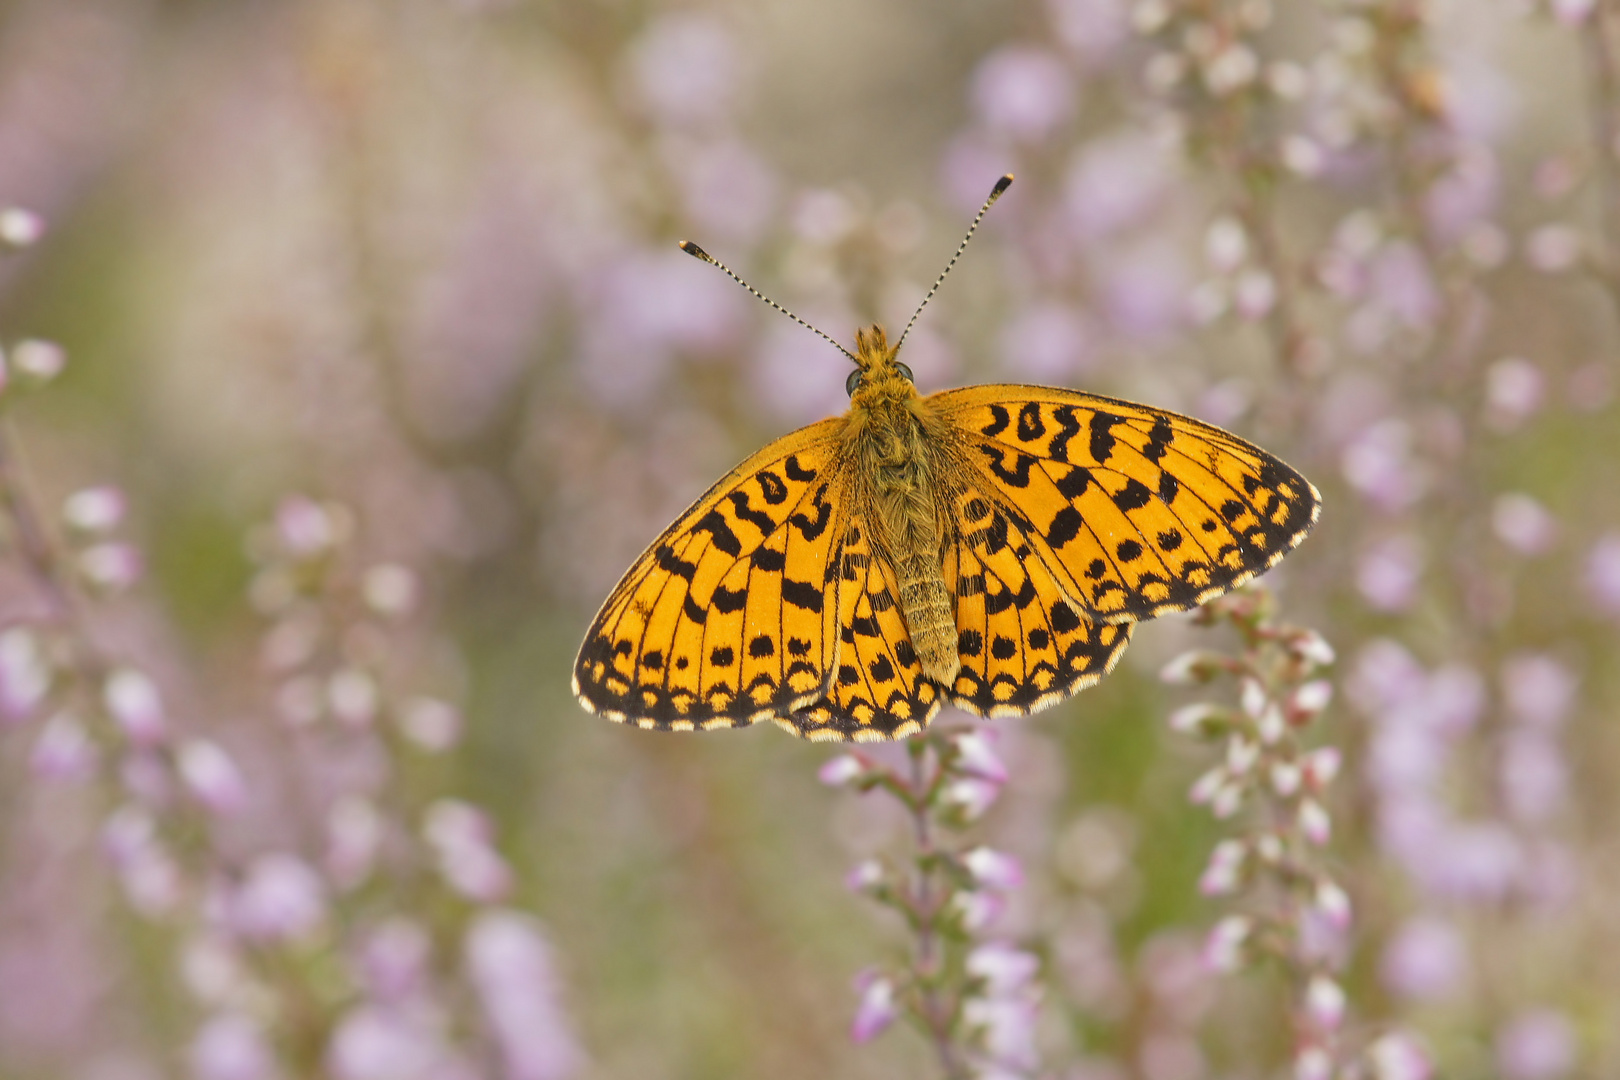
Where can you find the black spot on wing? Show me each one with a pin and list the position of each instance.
(1030, 425)
(1102, 438)
(668, 562)
(771, 486)
(802, 594)
(1000, 419)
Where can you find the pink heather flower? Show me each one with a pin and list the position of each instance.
(1324, 1003)
(460, 835)
(1514, 389)
(1195, 666)
(353, 697)
(127, 832)
(390, 589)
(1426, 960)
(376, 1043)
(111, 567)
(1310, 699)
(1200, 718)
(25, 676)
(1603, 574)
(1553, 249)
(1226, 244)
(843, 769)
(975, 909)
(1523, 524)
(1538, 689)
(211, 775)
(64, 750)
(1314, 822)
(433, 725)
(1573, 11)
(510, 962)
(279, 899)
(1388, 575)
(1254, 294)
(1221, 876)
(1313, 1063)
(1320, 766)
(20, 228)
(970, 797)
(211, 968)
(1533, 774)
(394, 958)
(1208, 786)
(865, 875)
(151, 881)
(305, 527)
(1115, 182)
(41, 361)
(354, 834)
(1223, 948)
(1241, 755)
(976, 756)
(993, 869)
(132, 701)
(1397, 1056)
(1004, 969)
(1006, 1027)
(1333, 904)
(685, 69)
(1380, 464)
(878, 1007)
(94, 510)
(1024, 92)
(1048, 341)
(1536, 1045)
(231, 1046)
(1286, 778)
(1092, 29)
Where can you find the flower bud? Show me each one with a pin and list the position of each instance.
(1314, 822)
(211, 776)
(878, 1009)
(1333, 903)
(1324, 1003)
(64, 750)
(1286, 777)
(1313, 1062)
(41, 361)
(1225, 869)
(1320, 766)
(843, 769)
(1201, 718)
(976, 755)
(132, 701)
(94, 510)
(865, 876)
(1312, 647)
(20, 228)
(390, 589)
(993, 869)
(1223, 948)
(969, 797)
(1196, 666)
(431, 724)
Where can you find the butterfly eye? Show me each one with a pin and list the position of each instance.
(853, 383)
(905, 371)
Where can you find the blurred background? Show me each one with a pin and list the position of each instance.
(372, 315)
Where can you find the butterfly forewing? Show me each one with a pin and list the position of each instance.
(1022, 643)
(878, 690)
(1135, 511)
(723, 620)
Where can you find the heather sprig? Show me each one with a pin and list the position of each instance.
(975, 998)
(1290, 909)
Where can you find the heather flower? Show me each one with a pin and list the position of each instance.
(38, 360)
(878, 1006)
(20, 228)
(1022, 91)
(512, 966)
(230, 1046)
(279, 899)
(211, 775)
(64, 750)
(132, 701)
(1426, 960)
(1536, 1045)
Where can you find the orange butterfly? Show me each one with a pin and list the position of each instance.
(990, 546)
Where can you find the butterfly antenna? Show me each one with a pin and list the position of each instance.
(995, 193)
(698, 253)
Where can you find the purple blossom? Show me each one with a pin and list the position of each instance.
(279, 899)
(1523, 524)
(1514, 390)
(25, 676)
(211, 775)
(1025, 92)
(993, 869)
(1539, 690)
(64, 750)
(1536, 1045)
(1114, 183)
(1426, 960)
(685, 69)
(1603, 574)
(1093, 30)
(230, 1046)
(1048, 342)
(374, 1042)
(878, 1007)
(461, 836)
(512, 965)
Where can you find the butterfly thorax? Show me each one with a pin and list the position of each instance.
(894, 443)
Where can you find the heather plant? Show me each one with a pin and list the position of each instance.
(293, 785)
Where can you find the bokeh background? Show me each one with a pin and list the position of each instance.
(401, 279)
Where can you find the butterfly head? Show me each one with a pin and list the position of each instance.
(878, 375)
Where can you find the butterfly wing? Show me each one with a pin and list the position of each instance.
(878, 691)
(727, 618)
(1135, 511)
(1023, 644)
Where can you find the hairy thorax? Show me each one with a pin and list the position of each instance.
(897, 453)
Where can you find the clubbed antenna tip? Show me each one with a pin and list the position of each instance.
(695, 251)
(995, 193)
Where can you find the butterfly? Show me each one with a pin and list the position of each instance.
(988, 546)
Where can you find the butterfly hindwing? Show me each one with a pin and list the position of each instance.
(1136, 511)
(878, 690)
(727, 618)
(1023, 645)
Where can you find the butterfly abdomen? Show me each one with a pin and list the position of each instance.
(898, 469)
